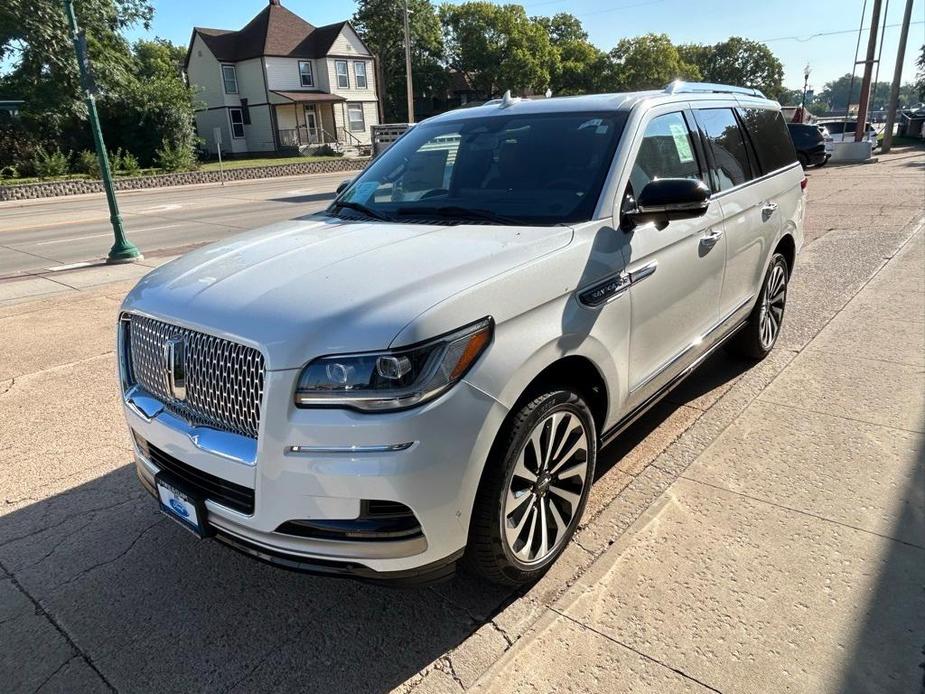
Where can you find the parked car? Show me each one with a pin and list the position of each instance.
(810, 144)
(425, 373)
(844, 130)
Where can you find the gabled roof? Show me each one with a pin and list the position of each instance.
(275, 31)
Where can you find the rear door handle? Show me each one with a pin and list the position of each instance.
(768, 210)
(710, 239)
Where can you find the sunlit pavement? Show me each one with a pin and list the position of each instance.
(762, 530)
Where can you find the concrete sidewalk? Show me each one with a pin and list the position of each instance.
(790, 554)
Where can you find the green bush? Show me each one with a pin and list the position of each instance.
(9, 172)
(130, 165)
(327, 151)
(50, 164)
(88, 163)
(175, 157)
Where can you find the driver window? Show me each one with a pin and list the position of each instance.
(666, 151)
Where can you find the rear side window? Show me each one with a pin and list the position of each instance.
(835, 128)
(666, 151)
(770, 137)
(730, 166)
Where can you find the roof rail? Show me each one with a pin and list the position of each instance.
(682, 87)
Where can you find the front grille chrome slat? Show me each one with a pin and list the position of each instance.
(224, 379)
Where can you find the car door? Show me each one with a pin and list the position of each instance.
(751, 218)
(675, 273)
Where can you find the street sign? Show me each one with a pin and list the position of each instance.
(217, 134)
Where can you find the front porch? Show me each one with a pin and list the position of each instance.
(310, 122)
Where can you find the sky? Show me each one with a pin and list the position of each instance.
(791, 29)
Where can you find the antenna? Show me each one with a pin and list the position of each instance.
(507, 99)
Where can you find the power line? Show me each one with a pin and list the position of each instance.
(804, 39)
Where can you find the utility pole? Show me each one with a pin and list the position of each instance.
(897, 78)
(408, 85)
(861, 130)
(123, 250)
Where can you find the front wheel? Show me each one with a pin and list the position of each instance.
(534, 489)
(757, 337)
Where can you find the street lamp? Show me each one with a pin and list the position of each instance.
(806, 71)
(123, 250)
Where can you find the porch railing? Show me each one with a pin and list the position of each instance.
(300, 135)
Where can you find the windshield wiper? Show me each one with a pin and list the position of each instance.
(460, 213)
(359, 207)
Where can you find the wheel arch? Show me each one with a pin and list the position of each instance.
(787, 247)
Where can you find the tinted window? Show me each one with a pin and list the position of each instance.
(530, 168)
(770, 137)
(835, 128)
(730, 165)
(666, 151)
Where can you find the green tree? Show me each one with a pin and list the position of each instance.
(34, 43)
(380, 24)
(581, 66)
(647, 62)
(497, 47)
(737, 61)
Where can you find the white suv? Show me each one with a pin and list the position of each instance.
(424, 374)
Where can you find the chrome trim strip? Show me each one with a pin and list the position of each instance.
(225, 444)
(692, 346)
(384, 448)
(613, 286)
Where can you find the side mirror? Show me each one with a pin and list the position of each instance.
(343, 186)
(665, 200)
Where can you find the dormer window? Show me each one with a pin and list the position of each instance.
(230, 77)
(306, 77)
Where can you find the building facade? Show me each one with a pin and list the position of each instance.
(283, 85)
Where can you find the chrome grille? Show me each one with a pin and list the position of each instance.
(224, 379)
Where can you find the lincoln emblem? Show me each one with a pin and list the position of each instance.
(175, 365)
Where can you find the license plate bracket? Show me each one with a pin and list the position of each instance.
(179, 504)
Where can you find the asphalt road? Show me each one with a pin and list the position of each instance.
(37, 235)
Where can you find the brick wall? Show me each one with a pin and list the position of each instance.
(31, 191)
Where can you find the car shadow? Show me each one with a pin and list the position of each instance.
(888, 652)
(156, 609)
(699, 390)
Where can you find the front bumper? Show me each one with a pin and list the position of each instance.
(324, 464)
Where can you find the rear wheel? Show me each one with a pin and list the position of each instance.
(757, 337)
(534, 489)
(804, 162)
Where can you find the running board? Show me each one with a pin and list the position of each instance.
(637, 412)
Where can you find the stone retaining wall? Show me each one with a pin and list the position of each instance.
(31, 191)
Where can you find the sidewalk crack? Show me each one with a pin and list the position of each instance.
(39, 610)
(637, 652)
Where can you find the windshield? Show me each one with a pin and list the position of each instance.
(534, 169)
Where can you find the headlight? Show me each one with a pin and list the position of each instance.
(393, 379)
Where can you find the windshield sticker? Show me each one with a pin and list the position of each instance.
(681, 142)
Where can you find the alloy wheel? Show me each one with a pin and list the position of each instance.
(772, 306)
(545, 489)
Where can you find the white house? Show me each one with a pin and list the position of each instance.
(281, 84)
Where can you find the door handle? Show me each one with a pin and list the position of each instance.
(710, 239)
(768, 210)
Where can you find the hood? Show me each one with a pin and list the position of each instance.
(305, 288)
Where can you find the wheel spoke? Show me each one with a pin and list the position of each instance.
(581, 444)
(553, 423)
(567, 430)
(544, 529)
(570, 497)
(536, 443)
(777, 298)
(514, 532)
(529, 543)
(576, 470)
(521, 469)
(557, 518)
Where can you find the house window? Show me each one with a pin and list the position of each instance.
(230, 77)
(237, 123)
(355, 117)
(359, 72)
(306, 78)
(343, 77)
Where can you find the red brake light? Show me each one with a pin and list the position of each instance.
(804, 183)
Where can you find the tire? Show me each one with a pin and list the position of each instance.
(804, 162)
(507, 544)
(757, 337)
